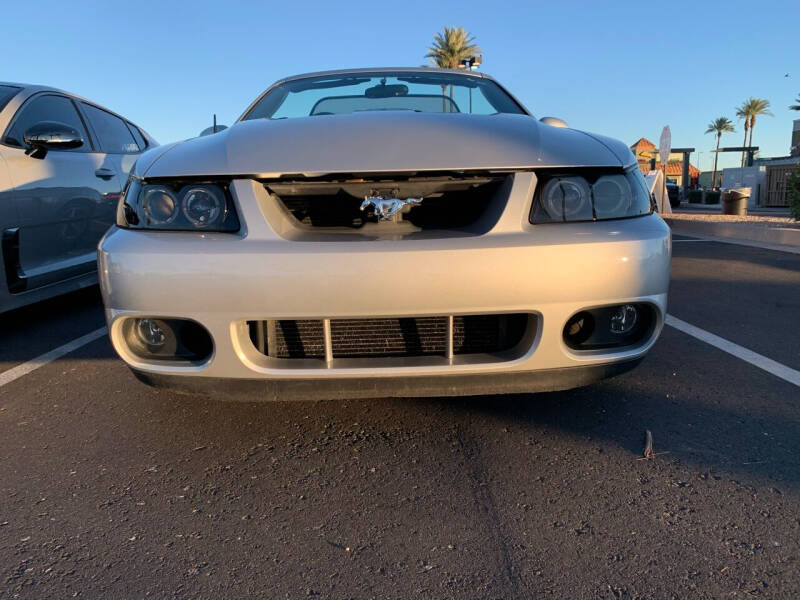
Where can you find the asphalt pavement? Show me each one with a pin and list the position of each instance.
(110, 489)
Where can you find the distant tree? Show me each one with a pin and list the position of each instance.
(449, 48)
(749, 110)
(718, 127)
(796, 106)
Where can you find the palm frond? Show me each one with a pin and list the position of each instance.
(721, 125)
(451, 46)
(753, 107)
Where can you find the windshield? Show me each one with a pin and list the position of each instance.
(348, 93)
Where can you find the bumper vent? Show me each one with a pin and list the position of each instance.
(387, 338)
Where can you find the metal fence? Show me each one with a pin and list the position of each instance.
(777, 179)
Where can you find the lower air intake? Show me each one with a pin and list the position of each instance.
(388, 338)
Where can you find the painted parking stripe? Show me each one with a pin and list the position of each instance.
(754, 358)
(14, 373)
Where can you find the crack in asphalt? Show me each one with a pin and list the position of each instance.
(486, 506)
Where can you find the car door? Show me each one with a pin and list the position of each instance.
(116, 139)
(64, 201)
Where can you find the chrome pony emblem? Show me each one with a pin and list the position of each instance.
(386, 208)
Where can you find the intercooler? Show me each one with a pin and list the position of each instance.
(447, 336)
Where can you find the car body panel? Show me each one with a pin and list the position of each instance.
(379, 142)
(62, 209)
(54, 209)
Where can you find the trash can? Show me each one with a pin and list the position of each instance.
(734, 201)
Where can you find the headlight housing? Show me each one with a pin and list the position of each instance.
(590, 195)
(176, 205)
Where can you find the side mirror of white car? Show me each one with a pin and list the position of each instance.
(553, 122)
(50, 135)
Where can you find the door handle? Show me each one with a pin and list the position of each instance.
(104, 173)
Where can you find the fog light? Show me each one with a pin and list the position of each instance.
(151, 338)
(623, 319)
(150, 332)
(579, 328)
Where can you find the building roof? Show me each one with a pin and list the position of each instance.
(674, 168)
(643, 144)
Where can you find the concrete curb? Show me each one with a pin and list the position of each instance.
(784, 236)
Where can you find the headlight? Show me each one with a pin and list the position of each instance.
(590, 195)
(567, 199)
(177, 206)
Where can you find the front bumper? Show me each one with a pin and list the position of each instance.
(527, 382)
(223, 280)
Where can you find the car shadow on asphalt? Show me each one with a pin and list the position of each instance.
(704, 408)
(709, 409)
(40, 327)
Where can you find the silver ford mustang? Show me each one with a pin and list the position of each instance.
(385, 232)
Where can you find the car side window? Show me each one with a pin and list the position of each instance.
(112, 132)
(46, 107)
(138, 136)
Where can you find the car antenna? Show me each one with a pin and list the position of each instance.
(214, 130)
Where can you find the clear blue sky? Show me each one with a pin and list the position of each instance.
(622, 69)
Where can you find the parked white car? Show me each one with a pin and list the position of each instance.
(63, 163)
(385, 232)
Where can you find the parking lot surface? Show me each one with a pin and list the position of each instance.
(110, 489)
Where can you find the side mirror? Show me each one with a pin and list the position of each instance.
(50, 135)
(553, 122)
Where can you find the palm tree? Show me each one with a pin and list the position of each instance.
(742, 114)
(718, 126)
(796, 106)
(749, 110)
(449, 48)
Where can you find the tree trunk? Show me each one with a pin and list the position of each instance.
(716, 156)
(744, 143)
(750, 145)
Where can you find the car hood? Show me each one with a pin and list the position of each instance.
(386, 141)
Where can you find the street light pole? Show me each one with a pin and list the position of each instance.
(471, 63)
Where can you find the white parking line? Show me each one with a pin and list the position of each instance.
(14, 373)
(754, 358)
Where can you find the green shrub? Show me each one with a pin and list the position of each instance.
(712, 197)
(695, 196)
(793, 189)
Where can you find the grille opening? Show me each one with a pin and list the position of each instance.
(448, 202)
(389, 337)
(358, 338)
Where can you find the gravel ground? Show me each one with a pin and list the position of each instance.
(764, 220)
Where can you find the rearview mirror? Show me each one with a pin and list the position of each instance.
(51, 135)
(386, 91)
(553, 122)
